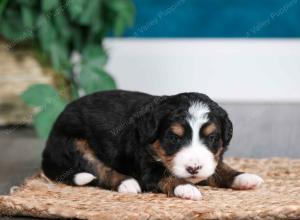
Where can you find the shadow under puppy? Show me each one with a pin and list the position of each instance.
(133, 142)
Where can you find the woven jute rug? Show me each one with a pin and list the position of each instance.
(278, 198)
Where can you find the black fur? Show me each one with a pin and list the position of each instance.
(120, 126)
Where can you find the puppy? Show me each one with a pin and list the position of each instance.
(133, 142)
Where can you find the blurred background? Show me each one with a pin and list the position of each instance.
(243, 54)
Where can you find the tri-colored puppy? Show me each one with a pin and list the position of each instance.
(134, 142)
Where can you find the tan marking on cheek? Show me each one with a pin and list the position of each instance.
(106, 175)
(209, 129)
(167, 160)
(177, 129)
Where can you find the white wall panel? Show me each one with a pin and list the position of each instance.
(225, 69)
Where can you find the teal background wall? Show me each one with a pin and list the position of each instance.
(217, 18)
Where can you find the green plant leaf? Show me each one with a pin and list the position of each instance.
(44, 120)
(28, 17)
(92, 11)
(11, 27)
(96, 80)
(74, 92)
(2, 7)
(38, 95)
(8, 30)
(48, 5)
(123, 14)
(75, 8)
(49, 103)
(79, 25)
(46, 33)
(119, 26)
(93, 57)
(77, 39)
(63, 27)
(27, 2)
(59, 56)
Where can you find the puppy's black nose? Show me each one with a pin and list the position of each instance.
(193, 170)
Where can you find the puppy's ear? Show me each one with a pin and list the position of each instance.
(227, 129)
(149, 123)
(226, 124)
(147, 127)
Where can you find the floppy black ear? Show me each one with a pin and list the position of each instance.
(227, 129)
(149, 121)
(226, 124)
(147, 128)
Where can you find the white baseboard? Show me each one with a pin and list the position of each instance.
(234, 70)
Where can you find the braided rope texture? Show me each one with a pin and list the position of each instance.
(278, 198)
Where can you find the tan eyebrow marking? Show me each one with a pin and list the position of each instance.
(177, 129)
(209, 129)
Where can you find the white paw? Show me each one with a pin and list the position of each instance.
(187, 191)
(129, 186)
(247, 181)
(81, 179)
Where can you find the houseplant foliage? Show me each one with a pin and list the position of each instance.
(67, 36)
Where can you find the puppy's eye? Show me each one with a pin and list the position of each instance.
(174, 138)
(212, 137)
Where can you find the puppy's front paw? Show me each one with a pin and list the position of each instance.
(247, 181)
(129, 186)
(187, 191)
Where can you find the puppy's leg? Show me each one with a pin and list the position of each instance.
(173, 186)
(105, 176)
(157, 179)
(83, 178)
(129, 185)
(247, 181)
(227, 177)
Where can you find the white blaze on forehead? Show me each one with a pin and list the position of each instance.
(196, 153)
(197, 117)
